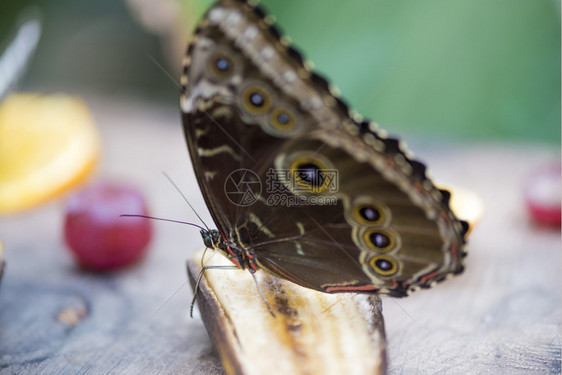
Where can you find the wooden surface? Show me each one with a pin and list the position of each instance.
(502, 316)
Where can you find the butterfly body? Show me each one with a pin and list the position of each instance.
(297, 184)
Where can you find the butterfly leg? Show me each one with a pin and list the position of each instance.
(203, 269)
(203, 257)
(252, 272)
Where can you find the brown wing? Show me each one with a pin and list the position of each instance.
(236, 53)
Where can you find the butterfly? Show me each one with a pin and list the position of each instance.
(298, 184)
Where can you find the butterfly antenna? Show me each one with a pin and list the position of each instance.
(261, 294)
(185, 199)
(162, 219)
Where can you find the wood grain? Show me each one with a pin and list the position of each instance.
(501, 316)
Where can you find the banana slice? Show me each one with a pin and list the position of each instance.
(311, 333)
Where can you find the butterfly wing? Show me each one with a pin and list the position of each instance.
(339, 207)
(391, 230)
(244, 94)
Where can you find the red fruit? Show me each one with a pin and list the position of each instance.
(542, 195)
(99, 238)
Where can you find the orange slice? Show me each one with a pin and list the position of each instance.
(48, 144)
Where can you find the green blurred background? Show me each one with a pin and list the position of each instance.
(479, 70)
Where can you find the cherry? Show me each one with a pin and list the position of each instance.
(98, 237)
(542, 195)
